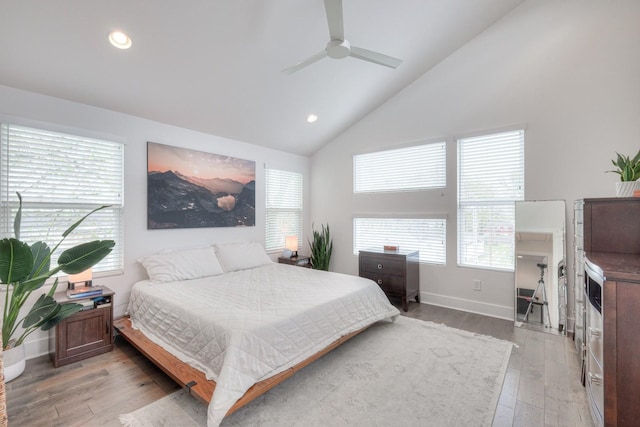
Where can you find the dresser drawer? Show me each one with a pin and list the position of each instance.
(594, 334)
(383, 265)
(595, 390)
(388, 283)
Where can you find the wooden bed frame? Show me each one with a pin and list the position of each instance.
(195, 380)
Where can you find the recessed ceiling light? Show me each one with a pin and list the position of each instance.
(311, 118)
(120, 40)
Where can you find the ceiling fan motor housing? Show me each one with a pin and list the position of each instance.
(338, 49)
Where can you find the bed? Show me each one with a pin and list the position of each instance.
(250, 324)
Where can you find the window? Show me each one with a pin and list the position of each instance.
(490, 180)
(404, 169)
(284, 208)
(428, 235)
(62, 178)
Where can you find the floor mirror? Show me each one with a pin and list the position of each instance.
(540, 275)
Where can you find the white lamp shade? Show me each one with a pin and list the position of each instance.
(291, 243)
(83, 276)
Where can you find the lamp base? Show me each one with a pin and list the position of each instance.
(72, 285)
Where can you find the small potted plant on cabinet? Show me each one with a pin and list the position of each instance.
(24, 269)
(629, 171)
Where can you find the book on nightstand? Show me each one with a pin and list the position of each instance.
(84, 292)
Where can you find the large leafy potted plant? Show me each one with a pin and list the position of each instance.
(321, 248)
(24, 269)
(629, 171)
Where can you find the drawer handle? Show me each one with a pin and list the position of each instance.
(595, 333)
(580, 301)
(380, 282)
(595, 379)
(379, 266)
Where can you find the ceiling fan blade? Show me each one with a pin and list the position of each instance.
(375, 57)
(334, 18)
(300, 65)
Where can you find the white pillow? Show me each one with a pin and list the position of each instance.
(182, 265)
(241, 255)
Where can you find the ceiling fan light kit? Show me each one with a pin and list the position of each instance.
(338, 47)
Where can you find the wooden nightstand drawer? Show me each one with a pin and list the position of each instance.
(389, 284)
(385, 265)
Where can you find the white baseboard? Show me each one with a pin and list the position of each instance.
(36, 348)
(471, 306)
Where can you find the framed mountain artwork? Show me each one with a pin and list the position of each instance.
(190, 189)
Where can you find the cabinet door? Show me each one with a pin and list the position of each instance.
(83, 332)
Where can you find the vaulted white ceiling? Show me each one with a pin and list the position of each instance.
(215, 65)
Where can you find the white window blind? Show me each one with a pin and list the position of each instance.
(284, 208)
(490, 180)
(61, 178)
(403, 169)
(427, 235)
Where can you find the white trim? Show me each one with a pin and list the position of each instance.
(470, 306)
(501, 129)
(37, 347)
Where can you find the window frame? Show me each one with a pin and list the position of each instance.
(297, 212)
(379, 243)
(62, 209)
(370, 168)
(490, 204)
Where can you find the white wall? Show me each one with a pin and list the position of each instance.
(568, 71)
(37, 110)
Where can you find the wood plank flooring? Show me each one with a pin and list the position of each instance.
(541, 387)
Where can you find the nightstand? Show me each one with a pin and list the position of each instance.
(396, 272)
(84, 334)
(300, 261)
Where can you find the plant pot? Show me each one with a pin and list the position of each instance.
(626, 188)
(14, 362)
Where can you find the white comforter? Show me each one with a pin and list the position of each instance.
(248, 325)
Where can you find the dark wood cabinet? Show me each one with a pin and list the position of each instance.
(85, 334)
(621, 350)
(612, 253)
(396, 272)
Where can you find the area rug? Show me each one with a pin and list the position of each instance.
(406, 373)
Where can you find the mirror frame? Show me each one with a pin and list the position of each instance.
(540, 219)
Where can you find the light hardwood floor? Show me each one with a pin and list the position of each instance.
(541, 387)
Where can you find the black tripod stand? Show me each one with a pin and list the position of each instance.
(540, 288)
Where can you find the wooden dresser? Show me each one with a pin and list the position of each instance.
(396, 272)
(612, 297)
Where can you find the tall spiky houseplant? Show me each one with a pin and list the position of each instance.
(25, 268)
(321, 248)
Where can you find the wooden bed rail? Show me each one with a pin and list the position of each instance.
(186, 375)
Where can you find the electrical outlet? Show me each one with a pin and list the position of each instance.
(477, 285)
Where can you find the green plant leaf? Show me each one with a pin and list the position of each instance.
(627, 168)
(78, 222)
(65, 311)
(44, 308)
(16, 260)
(85, 255)
(321, 248)
(41, 258)
(18, 219)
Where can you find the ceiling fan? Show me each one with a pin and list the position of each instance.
(338, 47)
